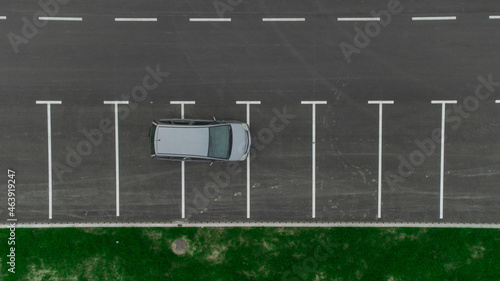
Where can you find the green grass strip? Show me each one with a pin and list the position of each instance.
(253, 254)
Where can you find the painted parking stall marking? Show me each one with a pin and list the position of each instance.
(209, 19)
(359, 19)
(494, 17)
(313, 103)
(441, 180)
(380, 104)
(182, 103)
(137, 19)
(60, 18)
(283, 19)
(49, 148)
(3, 17)
(117, 157)
(248, 103)
(433, 18)
(183, 163)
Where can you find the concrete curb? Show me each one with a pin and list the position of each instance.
(254, 224)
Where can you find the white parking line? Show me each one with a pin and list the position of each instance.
(441, 180)
(380, 103)
(314, 103)
(494, 17)
(183, 164)
(182, 103)
(136, 19)
(359, 19)
(117, 160)
(248, 103)
(3, 17)
(49, 148)
(497, 101)
(283, 19)
(61, 18)
(433, 18)
(210, 19)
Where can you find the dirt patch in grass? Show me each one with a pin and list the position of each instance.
(155, 236)
(179, 246)
(95, 230)
(43, 272)
(216, 254)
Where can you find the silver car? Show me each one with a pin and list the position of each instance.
(199, 140)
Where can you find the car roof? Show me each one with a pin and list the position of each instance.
(182, 140)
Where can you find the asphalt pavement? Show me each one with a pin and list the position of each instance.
(282, 54)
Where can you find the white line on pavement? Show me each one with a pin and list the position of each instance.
(443, 101)
(283, 19)
(48, 102)
(117, 160)
(183, 189)
(3, 17)
(497, 101)
(494, 17)
(359, 19)
(183, 164)
(136, 19)
(248, 103)
(61, 18)
(116, 102)
(314, 103)
(380, 103)
(182, 103)
(433, 18)
(441, 180)
(210, 19)
(49, 148)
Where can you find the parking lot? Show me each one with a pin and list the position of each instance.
(318, 153)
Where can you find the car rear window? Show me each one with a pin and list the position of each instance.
(219, 141)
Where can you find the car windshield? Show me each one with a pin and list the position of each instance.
(152, 131)
(219, 141)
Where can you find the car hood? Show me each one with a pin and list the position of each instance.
(241, 142)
